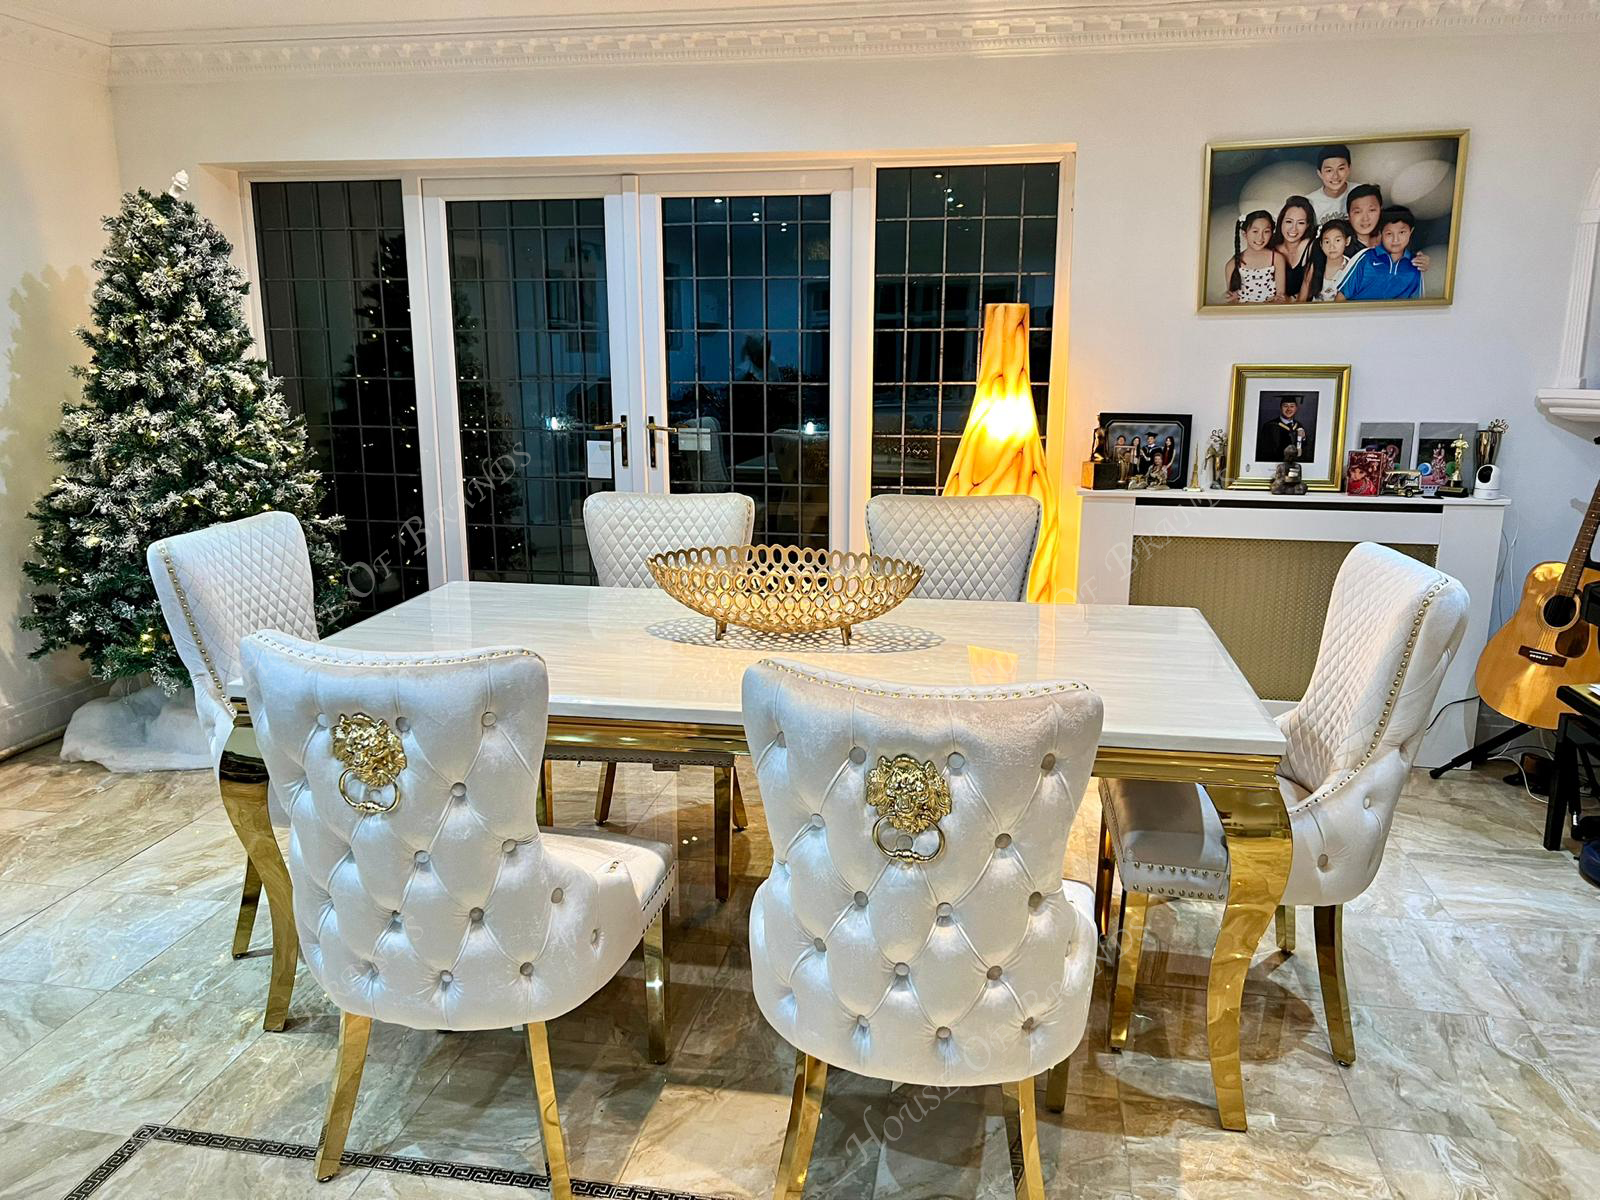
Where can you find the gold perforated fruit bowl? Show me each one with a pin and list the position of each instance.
(784, 589)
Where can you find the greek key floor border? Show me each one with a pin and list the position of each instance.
(429, 1167)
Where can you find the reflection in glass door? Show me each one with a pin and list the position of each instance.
(532, 349)
(746, 309)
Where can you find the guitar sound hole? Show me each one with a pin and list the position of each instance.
(1559, 611)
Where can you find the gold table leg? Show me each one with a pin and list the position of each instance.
(1260, 852)
(1055, 1088)
(249, 901)
(545, 806)
(243, 782)
(722, 833)
(544, 1089)
(602, 798)
(741, 819)
(1329, 920)
(1285, 927)
(1104, 877)
(1130, 943)
(805, 1110)
(1022, 1138)
(655, 983)
(354, 1032)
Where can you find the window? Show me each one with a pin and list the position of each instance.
(337, 308)
(949, 241)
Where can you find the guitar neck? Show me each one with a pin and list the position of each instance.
(1579, 558)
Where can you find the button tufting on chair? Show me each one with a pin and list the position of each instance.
(969, 547)
(488, 719)
(402, 725)
(356, 867)
(857, 755)
(955, 762)
(1393, 627)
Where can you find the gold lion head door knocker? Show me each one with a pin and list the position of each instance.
(913, 798)
(372, 752)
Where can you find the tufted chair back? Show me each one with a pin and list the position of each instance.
(625, 528)
(969, 547)
(972, 968)
(1394, 625)
(445, 912)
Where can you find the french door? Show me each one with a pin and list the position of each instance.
(653, 332)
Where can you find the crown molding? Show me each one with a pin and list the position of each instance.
(30, 42)
(886, 29)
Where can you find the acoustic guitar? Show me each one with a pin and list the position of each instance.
(1545, 644)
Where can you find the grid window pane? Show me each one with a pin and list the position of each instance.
(746, 286)
(337, 307)
(533, 373)
(949, 241)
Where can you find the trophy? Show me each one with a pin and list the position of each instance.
(1487, 477)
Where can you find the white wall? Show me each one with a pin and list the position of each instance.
(1139, 119)
(60, 177)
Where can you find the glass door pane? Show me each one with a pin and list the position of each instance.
(532, 380)
(746, 312)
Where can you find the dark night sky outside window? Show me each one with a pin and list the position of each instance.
(949, 241)
(337, 308)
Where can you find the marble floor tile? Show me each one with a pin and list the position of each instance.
(201, 861)
(1542, 890)
(1552, 973)
(19, 901)
(615, 1015)
(39, 1161)
(1434, 1166)
(1432, 965)
(20, 818)
(97, 939)
(276, 1087)
(1398, 890)
(730, 1024)
(37, 779)
(84, 842)
(1478, 815)
(176, 1172)
(29, 1011)
(125, 1060)
(1465, 1076)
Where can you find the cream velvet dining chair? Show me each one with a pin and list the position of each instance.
(425, 893)
(1393, 626)
(623, 530)
(915, 926)
(969, 547)
(217, 585)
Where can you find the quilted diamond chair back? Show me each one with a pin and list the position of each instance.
(219, 584)
(971, 967)
(1393, 627)
(969, 547)
(625, 528)
(445, 911)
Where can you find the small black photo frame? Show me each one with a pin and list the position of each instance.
(1147, 439)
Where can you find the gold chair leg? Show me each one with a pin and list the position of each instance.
(1329, 921)
(249, 901)
(1130, 942)
(544, 1090)
(242, 780)
(544, 810)
(741, 819)
(1022, 1139)
(655, 983)
(722, 832)
(1285, 923)
(602, 796)
(353, 1034)
(805, 1109)
(1055, 1088)
(1104, 877)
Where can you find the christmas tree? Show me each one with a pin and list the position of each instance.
(180, 427)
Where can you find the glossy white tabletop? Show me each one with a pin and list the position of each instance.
(638, 654)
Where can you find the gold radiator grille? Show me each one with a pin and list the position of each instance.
(1266, 598)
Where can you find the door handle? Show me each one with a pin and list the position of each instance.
(651, 429)
(622, 424)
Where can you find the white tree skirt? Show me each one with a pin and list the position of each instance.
(145, 730)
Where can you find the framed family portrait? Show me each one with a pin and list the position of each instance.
(1393, 439)
(1274, 408)
(1332, 223)
(1154, 446)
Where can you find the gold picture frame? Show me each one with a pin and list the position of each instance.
(1213, 209)
(1247, 466)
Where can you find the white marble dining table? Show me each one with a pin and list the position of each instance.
(634, 669)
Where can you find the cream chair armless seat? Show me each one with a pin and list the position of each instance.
(216, 586)
(915, 926)
(1393, 627)
(969, 547)
(425, 893)
(623, 530)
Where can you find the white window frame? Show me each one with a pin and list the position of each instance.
(633, 189)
